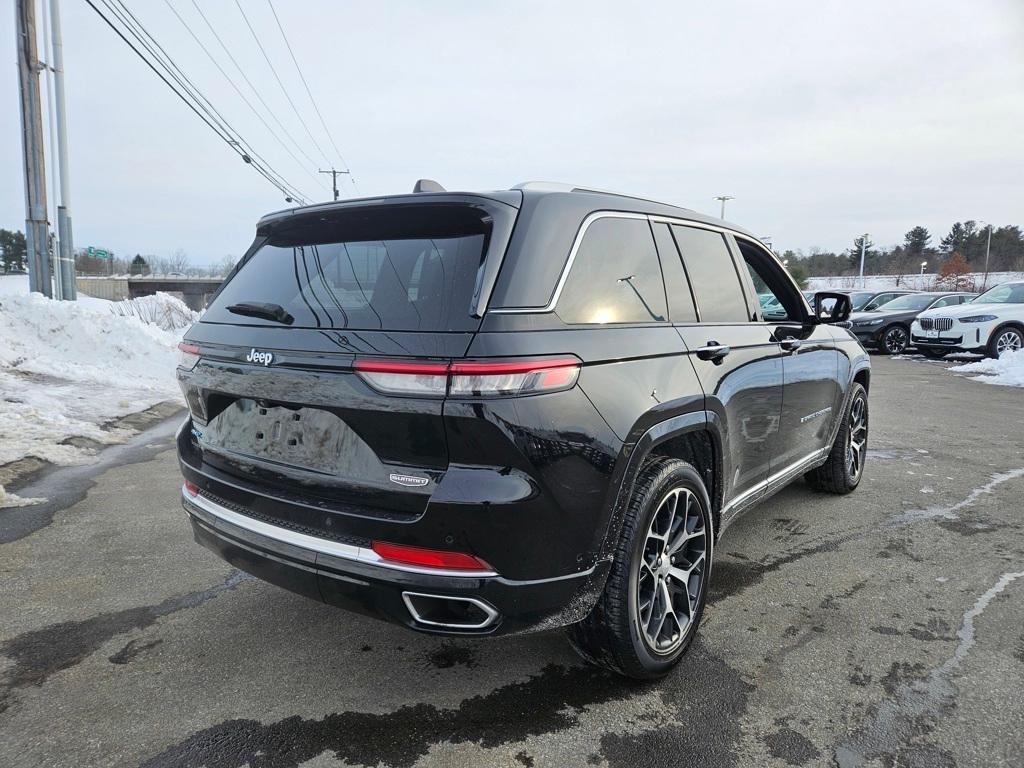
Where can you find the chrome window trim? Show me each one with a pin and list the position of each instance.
(315, 544)
(577, 242)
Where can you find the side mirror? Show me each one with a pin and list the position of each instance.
(832, 308)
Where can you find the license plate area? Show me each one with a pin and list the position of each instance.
(306, 438)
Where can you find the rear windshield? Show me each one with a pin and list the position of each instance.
(399, 268)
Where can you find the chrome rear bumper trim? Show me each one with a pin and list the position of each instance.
(314, 544)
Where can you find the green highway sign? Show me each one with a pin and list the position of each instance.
(97, 253)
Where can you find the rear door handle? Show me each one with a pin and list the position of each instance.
(713, 351)
(790, 344)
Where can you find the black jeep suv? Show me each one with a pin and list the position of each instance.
(483, 413)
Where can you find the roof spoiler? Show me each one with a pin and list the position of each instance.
(427, 185)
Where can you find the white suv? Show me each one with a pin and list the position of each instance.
(991, 324)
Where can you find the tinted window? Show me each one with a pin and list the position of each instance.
(615, 277)
(677, 286)
(948, 301)
(910, 301)
(858, 300)
(410, 268)
(716, 286)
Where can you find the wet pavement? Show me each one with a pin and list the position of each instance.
(884, 628)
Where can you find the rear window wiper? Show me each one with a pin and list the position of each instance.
(267, 311)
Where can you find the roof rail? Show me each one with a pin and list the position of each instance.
(554, 186)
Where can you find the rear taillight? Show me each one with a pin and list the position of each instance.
(404, 378)
(429, 558)
(188, 356)
(491, 379)
(478, 378)
(191, 488)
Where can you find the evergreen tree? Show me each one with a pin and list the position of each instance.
(138, 266)
(14, 250)
(916, 241)
(955, 240)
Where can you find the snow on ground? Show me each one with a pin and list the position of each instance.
(1008, 370)
(67, 368)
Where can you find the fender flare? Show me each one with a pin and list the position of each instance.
(634, 454)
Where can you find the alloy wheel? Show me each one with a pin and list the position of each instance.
(896, 340)
(1008, 341)
(673, 569)
(857, 439)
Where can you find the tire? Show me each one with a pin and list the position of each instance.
(840, 473)
(933, 353)
(617, 633)
(894, 340)
(1006, 338)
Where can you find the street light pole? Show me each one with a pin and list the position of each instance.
(723, 198)
(69, 290)
(863, 248)
(988, 247)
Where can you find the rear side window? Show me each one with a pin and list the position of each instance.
(615, 277)
(716, 285)
(407, 268)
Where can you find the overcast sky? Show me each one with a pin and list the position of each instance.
(823, 119)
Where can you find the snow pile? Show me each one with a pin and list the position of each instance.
(66, 368)
(162, 310)
(1008, 370)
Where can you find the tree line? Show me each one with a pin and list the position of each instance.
(966, 241)
(14, 255)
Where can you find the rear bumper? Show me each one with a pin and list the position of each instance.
(355, 578)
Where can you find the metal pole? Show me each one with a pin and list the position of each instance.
(988, 247)
(723, 198)
(57, 282)
(32, 147)
(863, 248)
(67, 252)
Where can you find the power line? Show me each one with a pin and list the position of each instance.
(240, 94)
(234, 139)
(241, 71)
(126, 17)
(279, 81)
(196, 104)
(309, 93)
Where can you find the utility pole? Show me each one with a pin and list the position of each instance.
(32, 147)
(334, 179)
(863, 248)
(723, 198)
(69, 290)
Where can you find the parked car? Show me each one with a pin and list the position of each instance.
(887, 327)
(865, 301)
(484, 413)
(991, 324)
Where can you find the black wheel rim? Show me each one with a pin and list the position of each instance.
(672, 571)
(857, 439)
(896, 340)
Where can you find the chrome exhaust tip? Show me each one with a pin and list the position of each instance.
(446, 612)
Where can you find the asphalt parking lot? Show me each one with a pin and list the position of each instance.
(885, 628)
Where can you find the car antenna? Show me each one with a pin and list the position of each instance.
(427, 185)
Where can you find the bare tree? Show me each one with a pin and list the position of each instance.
(177, 262)
(224, 267)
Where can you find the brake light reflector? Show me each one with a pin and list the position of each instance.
(429, 558)
(188, 356)
(476, 378)
(191, 488)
